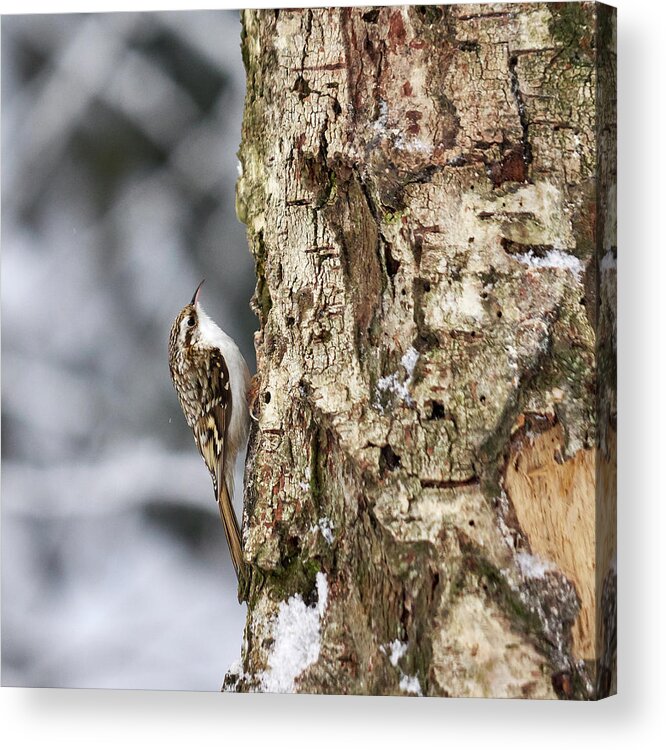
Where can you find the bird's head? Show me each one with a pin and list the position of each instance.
(185, 330)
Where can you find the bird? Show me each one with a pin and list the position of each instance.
(212, 380)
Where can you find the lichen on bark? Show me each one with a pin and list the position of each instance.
(428, 199)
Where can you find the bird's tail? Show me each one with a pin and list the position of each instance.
(231, 530)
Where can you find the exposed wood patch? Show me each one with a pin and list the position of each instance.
(554, 502)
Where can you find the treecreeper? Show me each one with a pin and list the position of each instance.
(212, 382)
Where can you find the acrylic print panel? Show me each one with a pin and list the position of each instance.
(428, 500)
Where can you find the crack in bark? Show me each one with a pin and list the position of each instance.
(522, 110)
(448, 484)
(308, 31)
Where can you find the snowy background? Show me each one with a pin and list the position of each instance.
(119, 140)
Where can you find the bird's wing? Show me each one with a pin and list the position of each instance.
(210, 429)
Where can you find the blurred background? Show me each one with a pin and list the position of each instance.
(119, 140)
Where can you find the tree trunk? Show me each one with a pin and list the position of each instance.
(429, 502)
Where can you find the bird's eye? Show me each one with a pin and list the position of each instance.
(190, 321)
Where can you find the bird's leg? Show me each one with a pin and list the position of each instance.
(244, 583)
(253, 394)
(250, 581)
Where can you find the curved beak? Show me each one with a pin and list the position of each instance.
(195, 298)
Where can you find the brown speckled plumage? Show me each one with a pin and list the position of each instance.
(206, 391)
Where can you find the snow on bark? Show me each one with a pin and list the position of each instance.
(296, 640)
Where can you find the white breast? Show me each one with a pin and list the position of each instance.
(212, 335)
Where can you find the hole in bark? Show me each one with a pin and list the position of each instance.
(484, 295)
(437, 410)
(301, 87)
(392, 265)
(292, 546)
(519, 248)
(471, 239)
(425, 341)
(388, 460)
(267, 397)
(562, 684)
(426, 286)
(430, 13)
(499, 313)
(471, 522)
(583, 301)
(482, 399)
(311, 598)
(468, 46)
(418, 249)
(371, 16)
(337, 109)
(291, 320)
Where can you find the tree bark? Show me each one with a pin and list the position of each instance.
(429, 197)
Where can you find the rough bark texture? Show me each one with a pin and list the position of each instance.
(429, 196)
